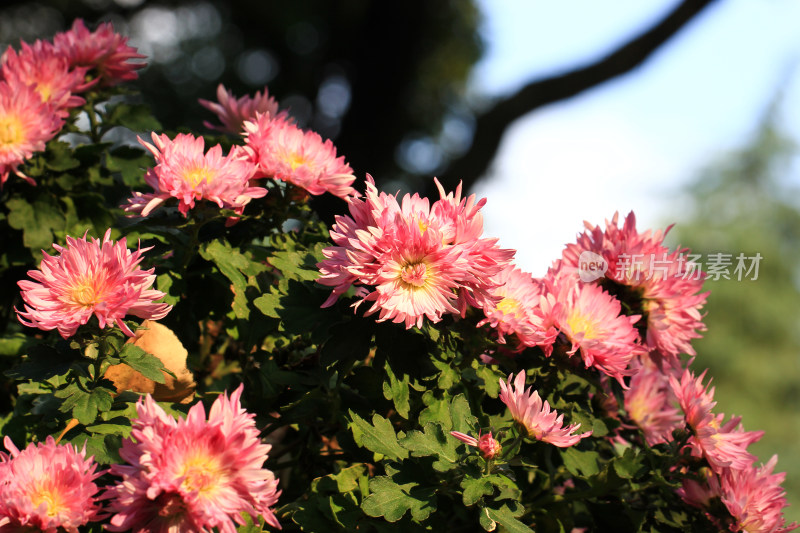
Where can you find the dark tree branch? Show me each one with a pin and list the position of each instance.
(491, 125)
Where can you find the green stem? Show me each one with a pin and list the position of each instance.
(94, 125)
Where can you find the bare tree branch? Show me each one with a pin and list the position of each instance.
(491, 125)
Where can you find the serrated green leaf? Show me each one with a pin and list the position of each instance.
(505, 518)
(397, 390)
(131, 163)
(58, 157)
(486, 521)
(299, 265)
(580, 463)
(87, 405)
(437, 410)
(378, 437)
(475, 489)
(629, 465)
(13, 345)
(37, 221)
(136, 117)
(145, 363)
(269, 304)
(231, 263)
(392, 500)
(432, 441)
(461, 415)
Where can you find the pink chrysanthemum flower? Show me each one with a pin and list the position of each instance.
(461, 224)
(592, 322)
(192, 474)
(650, 404)
(105, 52)
(233, 112)
(489, 447)
(408, 259)
(283, 151)
(650, 280)
(701, 493)
(26, 124)
(90, 278)
(517, 312)
(48, 72)
(755, 499)
(184, 171)
(723, 445)
(47, 487)
(528, 410)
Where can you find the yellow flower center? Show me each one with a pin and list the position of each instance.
(637, 409)
(197, 175)
(423, 226)
(579, 323)
(11, 131)
(53, 500)
(45, 91)
(86, 293)
(510, 306)
(202, 474)
(414, 275)
(297, 159)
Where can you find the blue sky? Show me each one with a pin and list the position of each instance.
(633, 142)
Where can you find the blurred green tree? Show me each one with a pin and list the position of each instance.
(743, 204)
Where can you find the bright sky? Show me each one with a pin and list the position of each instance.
(631, 143)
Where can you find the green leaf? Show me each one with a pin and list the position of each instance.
(13, 345)
(58, 157)
(235, 266)
(461, 415)
(299, 265)
(131, 163)
(378, 437)
(629, 465)
(392, 500)
(433, 441)
(88, 404)
(397, 391)
(37, 221)
(580, 463)
(475, 489)
(145, 363)
(136, 117)
(505, 517)
(269, 304)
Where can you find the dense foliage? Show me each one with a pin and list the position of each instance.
(247, 366)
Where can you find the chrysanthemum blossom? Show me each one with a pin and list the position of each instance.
(186, 172)
(517, 312)
(192, 474)
(755, 498)
(26, 124)
(592, 322)
(407, 259)
(46, 70)
(47, 487)
(283, 151)
(722, 444)
(651, 280)
(489, 447)
(535, 415)
(232, 112)
(106, 53)
(90, 278)
(650, 404)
